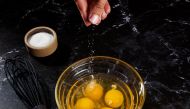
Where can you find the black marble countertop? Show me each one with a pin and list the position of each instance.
(151, 35)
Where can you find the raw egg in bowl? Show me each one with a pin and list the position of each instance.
(100, 82)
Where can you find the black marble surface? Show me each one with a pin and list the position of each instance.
(151, 35)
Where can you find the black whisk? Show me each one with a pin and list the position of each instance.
(26, 83)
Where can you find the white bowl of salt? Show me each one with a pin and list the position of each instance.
(41, 41)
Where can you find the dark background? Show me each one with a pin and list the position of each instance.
(151, 35)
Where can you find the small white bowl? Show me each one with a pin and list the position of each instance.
(41, 51)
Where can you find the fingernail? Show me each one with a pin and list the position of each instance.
(108, 11)
(95, 19)
(104, 15)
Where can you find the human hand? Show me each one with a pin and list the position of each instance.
(93, 11)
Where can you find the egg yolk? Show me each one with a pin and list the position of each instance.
(114, 98)
(106, 108)
(84, 103)
(94, 90)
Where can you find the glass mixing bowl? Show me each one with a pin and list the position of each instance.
(76, 74)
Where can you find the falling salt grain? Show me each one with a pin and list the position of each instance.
(41, 39)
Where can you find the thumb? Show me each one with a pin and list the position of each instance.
(96, 10)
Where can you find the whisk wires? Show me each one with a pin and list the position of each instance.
(25, 82)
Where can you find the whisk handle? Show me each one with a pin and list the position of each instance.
(40, 107)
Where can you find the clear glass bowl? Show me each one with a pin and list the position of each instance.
(76, 73)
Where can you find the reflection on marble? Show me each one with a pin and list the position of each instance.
(151, 35)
